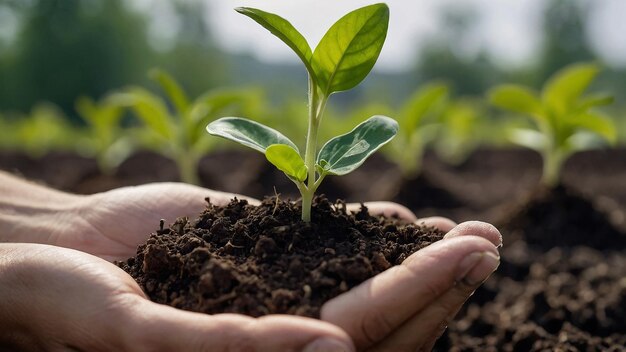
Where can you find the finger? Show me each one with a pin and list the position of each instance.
(476, 228)
(439, 222)
(387, 209)
(397, 294)
(422, 330)
(168, 329)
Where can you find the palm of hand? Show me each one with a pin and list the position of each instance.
(407, 306)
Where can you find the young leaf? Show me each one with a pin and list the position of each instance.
(594, 100)
(529, 138)
(287, 160)
(515, 98)
(348, 51)
(345, 153)
(566, 86)
(247, 132)
(149, 108)
(420, 104)
(285, 31)
(597, 124)
(172, 89)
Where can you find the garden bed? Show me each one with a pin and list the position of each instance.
(561, 282)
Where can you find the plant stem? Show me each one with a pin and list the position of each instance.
(187, 165)
(316, 108)
(552, 163)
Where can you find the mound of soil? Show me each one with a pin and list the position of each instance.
(259, 260)
(561, 217)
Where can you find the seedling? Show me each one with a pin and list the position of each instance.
(177, 133)
(105, 139)
(460, 130)
(341, 60)
(564, 119)
(419, 123)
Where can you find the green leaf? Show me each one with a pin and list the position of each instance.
(173, 90)
(593, 100)
(149, 108)
(516, 99)
(528, 138)
(345, 153)
(599, 124)
(247, 132)
(565, 87)
(285, 31)
(422, 102)
(348, 51)
(287, 160)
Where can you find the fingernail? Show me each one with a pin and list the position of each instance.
(476, 267)
(327, 344)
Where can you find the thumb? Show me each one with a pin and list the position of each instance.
(165, 328)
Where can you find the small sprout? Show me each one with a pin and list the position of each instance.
(418, 120)
(342, 59)
(105, 139)
(564, 119)
(462, 128)
(177, 132)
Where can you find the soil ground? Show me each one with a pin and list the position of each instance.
(561, 284)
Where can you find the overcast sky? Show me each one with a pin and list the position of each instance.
(509, 29)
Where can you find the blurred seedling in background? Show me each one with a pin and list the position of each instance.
(564, 117)
(341, 60)
(104, 139)
(46, 128)
(176, 132)
(460, 131)
(419, 123)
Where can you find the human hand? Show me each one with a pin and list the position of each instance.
(421, 295)
(408, 307)
(58, 299)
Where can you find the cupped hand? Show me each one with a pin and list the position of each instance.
(58, 299)
(404, 308)
(408, 307)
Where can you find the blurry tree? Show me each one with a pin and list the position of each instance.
(194, 59)
(69, 47)
(443, 57)
(565, 40)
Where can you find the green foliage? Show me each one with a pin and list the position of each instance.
(461, 130)
(563, 116)
(342, 59)
(175, 132)
(44, 129)
(103, 139)
(419, 121)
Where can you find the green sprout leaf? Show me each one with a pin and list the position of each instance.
(287, 160)
(350, 48)
(247, 132)
(565, 88)
(347, 152)
(598, 124)
(418, 106)
(149, 108)
(173, 90)
(516, 98)
(285, 31)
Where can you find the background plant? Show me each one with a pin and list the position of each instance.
(342, 59)
(418, 119)
(462, 126)
(103, 137)
(565, 118)
(176, 132)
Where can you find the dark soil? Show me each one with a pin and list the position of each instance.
(560, 217)
(259, 260)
